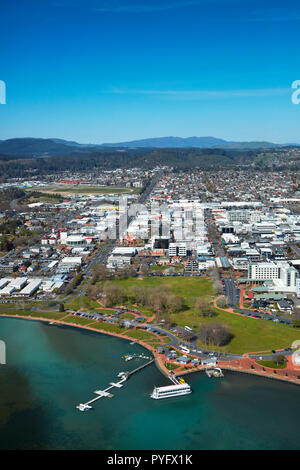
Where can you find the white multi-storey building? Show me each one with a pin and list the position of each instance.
(281, 273)
(298, 287)
(262, 271)
(177, 249)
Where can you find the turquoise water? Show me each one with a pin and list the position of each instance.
(51, 369)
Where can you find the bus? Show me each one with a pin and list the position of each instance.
(188, 329)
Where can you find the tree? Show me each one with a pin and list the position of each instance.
(139, 295)
(174, 303)
(61, 307)
(99, 272)
(279, 359)
(144, 268)
(214, 274)
(215, 334)
(222, 302)
(93, 290)
(204, 308)
(188, 336)
(113, 294)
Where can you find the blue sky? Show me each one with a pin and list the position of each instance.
(106, 71)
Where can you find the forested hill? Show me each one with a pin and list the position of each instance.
(146, 158)
(33, 147)
(64, 158)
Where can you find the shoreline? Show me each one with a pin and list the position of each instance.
(158, 359)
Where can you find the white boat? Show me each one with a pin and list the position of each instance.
(215, 372)
(83, 407)
(171, 391)
(128, 358)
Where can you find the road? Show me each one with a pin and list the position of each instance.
(295, 248)
(232, 292)
(175, 342)
(105, 249)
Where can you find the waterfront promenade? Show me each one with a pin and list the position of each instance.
(245, 364)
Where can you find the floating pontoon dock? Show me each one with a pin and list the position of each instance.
(105, 393)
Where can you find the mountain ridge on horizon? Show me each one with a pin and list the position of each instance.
(194, 142)
(31, 146)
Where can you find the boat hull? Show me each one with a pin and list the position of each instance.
(170, 391)
(169, 396)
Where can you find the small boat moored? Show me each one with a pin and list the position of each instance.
(215, 372)
(83, 407)
(128, 358)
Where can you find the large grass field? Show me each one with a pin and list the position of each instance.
(86, 189)
(187, 287)
(249, 334)
(41, 197)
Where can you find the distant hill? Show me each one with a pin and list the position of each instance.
(30, 147)
(193, 142)
(33, 147)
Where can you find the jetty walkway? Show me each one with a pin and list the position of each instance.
(106, 393)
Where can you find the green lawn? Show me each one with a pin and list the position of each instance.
(129, 316)
(187, 287)
(78, 320)
(140, 334)
(171, 366)
(104, 310)
(249, 335)
(272, 364)
(144, 311)
(108, 327)
(84, 302)
(72, 304)
(54, 198)
(86, 189)
(154, 344)
(89, 304)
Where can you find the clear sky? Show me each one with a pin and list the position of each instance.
(99, 71)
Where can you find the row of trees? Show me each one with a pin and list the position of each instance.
(159, 299)
(76, 281)
(163, 302)
(214, 274)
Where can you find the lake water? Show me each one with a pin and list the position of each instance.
(51, 369)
